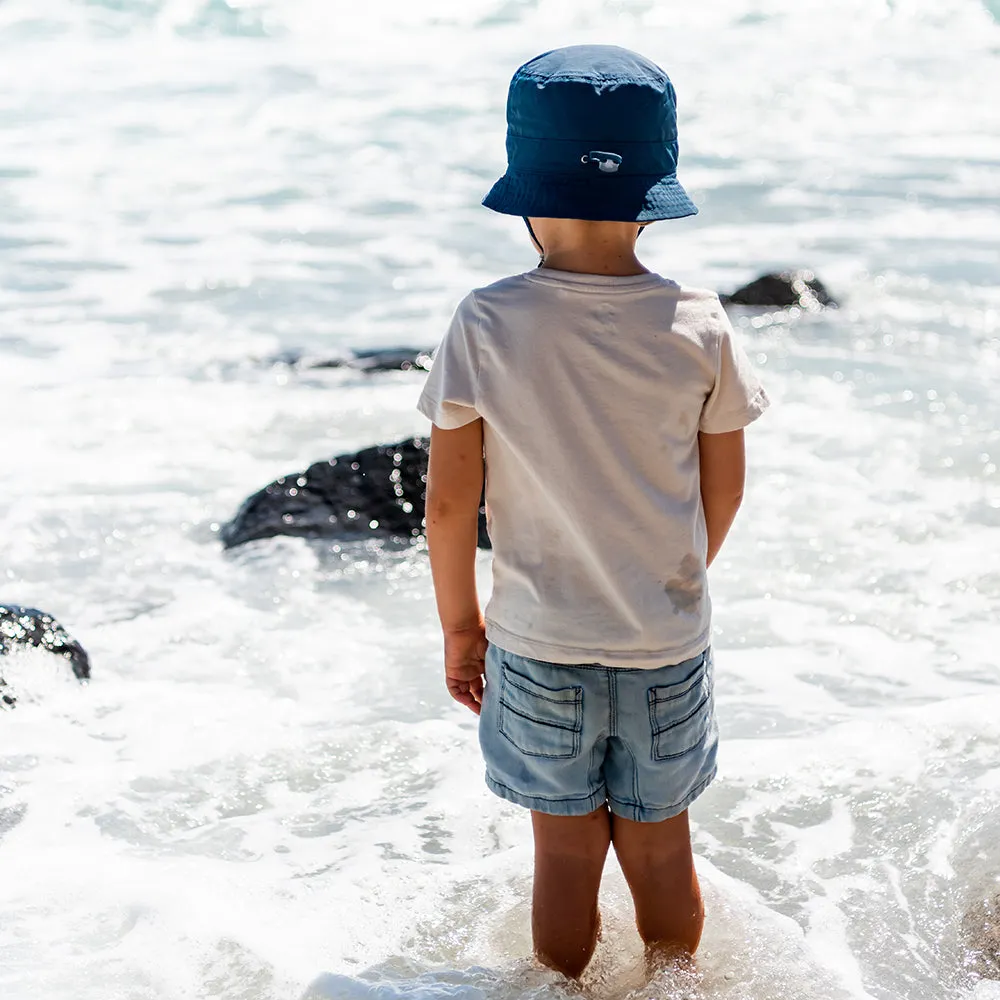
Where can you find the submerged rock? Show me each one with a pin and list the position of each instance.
(788, 288)
(981, 930)
(30, 627)
(376, 492)
(392, 359)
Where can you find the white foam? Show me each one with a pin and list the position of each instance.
(265, 778)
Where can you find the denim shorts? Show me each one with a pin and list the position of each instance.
(566, 739)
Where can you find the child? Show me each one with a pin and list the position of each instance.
(607, 405)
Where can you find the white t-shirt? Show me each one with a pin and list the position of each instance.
(592, 390)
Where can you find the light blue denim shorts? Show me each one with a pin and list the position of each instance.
(566, 739)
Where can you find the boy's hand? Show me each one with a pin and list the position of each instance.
(464, 665)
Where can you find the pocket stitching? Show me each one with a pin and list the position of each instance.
(575, 752)
(507, 672)
(697, 669)
(657, 700)
(657, 733)
(570, 728)
(574, 697)
(575, 730)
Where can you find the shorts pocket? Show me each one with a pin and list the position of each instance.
(681, 713)
(540, 721)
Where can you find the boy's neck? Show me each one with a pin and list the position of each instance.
(586, 247)
(581, 262)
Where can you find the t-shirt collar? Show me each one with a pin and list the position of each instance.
(550, 276)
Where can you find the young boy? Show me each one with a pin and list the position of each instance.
(606, 406)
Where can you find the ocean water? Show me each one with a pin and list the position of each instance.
(265, 792)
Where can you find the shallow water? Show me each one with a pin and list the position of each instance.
(266, 786)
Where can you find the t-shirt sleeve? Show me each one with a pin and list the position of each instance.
(737, 398)
(451, 389)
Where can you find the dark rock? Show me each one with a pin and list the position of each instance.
(31, 627)
(376, 492)
(789, 288)
(393, 359)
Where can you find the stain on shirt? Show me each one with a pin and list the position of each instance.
(685, 590)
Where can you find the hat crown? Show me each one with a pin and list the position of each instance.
(592, 92)
(591, 134)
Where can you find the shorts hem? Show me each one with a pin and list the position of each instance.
(655, 814)
(553, 807)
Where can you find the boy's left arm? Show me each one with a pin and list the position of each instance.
(454, 490)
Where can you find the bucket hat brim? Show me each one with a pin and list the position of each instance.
(629, 198)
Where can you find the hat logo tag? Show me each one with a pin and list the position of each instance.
(607, 163)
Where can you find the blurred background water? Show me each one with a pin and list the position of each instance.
(266, 786)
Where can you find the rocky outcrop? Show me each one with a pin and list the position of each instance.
(21, 627)
(376, 492)
(787, 288)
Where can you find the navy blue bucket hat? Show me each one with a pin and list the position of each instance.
(591, 134)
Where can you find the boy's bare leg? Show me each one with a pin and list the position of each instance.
(658, 865)
(569, 860)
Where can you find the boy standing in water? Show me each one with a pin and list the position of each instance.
(605, 406)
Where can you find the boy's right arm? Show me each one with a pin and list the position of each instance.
(722, 460)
